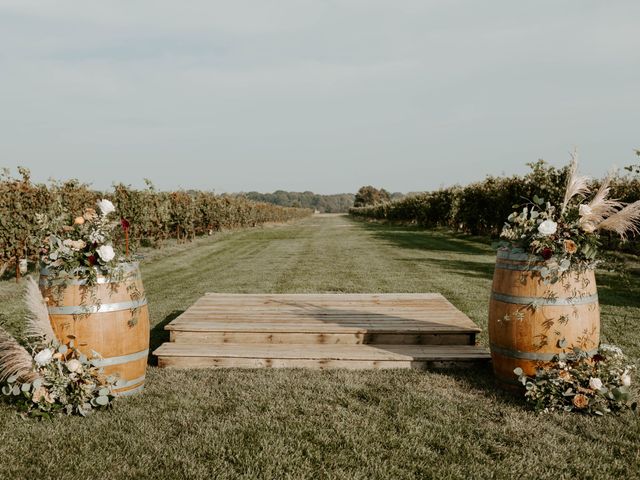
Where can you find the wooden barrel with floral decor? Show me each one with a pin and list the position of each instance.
(110, 318)
(531, 321)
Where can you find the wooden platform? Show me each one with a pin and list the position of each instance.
(320, 331)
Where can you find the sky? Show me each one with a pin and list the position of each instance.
(320, 95)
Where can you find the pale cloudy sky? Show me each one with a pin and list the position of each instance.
(322, 95)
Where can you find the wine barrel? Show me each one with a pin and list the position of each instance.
(110, 318)
(530, 322)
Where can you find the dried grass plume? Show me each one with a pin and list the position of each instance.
(14, 359)
(38, 322)
(576, 184)
(624, 221)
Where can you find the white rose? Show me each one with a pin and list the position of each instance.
(548, 227)
(106, 253)
(595, 383)
(625, 379)
(585, 210)
(43, 357)
(74, 365)
(105, 207)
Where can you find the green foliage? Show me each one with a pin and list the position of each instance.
(153, 216)
(371, 196)
(481, 208)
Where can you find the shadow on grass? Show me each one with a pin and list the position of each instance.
(479, 378)
(614, 291)
(422, 239)
(458, 267)
(159, 335)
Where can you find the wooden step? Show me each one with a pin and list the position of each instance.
(422, 319)
(183, 355)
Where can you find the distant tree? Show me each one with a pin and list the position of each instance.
(336, 203)
(370, 196)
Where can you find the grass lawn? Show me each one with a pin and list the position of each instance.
(206, 424)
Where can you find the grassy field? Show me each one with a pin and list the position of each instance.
(326, 424)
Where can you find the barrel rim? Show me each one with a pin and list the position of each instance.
(121, 267)
(509, 254)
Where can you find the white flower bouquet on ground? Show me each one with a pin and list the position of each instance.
(577, 382)
(47, 378)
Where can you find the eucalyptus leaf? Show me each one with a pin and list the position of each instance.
(63, 349)
(37, 383)
(6, 390)
(104, 392)
(102, 400)
(518, 371)
(12, 378)
(25, 387)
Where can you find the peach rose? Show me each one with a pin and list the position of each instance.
(570, 247)
(581, 401)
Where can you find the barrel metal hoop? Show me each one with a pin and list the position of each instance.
(105, 307)
(546, 357)
(128, 393)
(518, 267)
(539, 301)
(131, 383)
(107, 362)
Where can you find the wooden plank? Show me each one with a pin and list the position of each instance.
(213, 362)
(317, 356)
(320, 327)
(392, 338)
(334, 352)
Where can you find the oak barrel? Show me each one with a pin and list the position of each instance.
(530, 322)
(110, 318)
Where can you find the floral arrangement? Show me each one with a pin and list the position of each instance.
(566, 236)
(84, 248)
(48, 378)
(577, 382)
